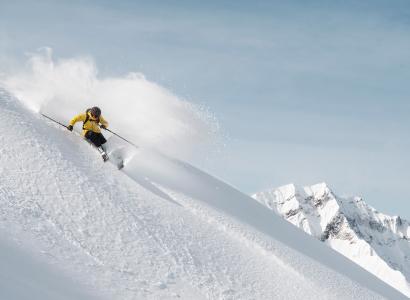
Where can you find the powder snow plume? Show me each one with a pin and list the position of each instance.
(140, 110)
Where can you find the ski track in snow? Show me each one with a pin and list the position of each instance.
(133, 239)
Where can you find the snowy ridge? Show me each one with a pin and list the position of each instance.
(159, 229)
(375, 241)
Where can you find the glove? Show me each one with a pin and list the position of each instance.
(103, 127)
(70, 127)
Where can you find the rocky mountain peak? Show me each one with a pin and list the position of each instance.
(376, 241)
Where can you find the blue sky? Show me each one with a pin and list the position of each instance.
(306, 91)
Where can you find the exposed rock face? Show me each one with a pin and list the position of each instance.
(375, 241)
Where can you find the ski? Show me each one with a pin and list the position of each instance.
(120, 165)
(116, 157)
(116, 160)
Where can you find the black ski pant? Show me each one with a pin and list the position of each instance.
(96, 138)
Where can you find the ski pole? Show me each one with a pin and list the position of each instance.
(54, 120)
(120, 137)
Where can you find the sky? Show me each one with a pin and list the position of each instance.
(304, 91)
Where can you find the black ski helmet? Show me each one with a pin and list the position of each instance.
(95, 111)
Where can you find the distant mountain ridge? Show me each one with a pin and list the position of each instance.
(377, 242)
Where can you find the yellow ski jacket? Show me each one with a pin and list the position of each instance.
(91, 124)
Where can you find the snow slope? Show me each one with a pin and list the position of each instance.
(159, 229)
(24, 277)
(377, 242)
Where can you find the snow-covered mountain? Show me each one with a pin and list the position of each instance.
(158, 229)
(377, 242)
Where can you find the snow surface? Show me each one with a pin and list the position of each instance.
(377, 242)
(159, 229)
(25, 277)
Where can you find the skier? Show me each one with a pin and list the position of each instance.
(92, 119)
